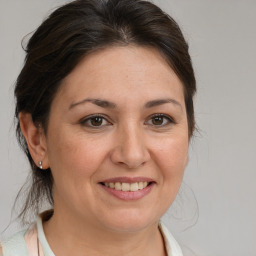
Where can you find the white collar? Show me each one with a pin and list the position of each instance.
(171, 245)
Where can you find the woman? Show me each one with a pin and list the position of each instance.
(104, 114)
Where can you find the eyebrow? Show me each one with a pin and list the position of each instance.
(158, 102)
(108, 104)
(98, 102)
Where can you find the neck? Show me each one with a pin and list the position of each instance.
(70, 236)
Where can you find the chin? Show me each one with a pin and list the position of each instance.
(129, 221)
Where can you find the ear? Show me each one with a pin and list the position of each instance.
(35, 139)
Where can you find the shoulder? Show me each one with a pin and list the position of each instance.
(15, 245)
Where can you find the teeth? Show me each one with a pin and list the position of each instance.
(141, 185)
(118, 186)
(112, 185)
(126, 186)
(134, 186)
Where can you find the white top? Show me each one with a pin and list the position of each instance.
(27, 243)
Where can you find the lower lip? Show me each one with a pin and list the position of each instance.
(129, 195)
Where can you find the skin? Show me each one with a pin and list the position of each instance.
(127, 142)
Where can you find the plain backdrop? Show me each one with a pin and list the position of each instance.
(221, 174)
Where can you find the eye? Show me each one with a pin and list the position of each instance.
(95, 121)
(160, 120)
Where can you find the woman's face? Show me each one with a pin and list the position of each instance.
(117, 139)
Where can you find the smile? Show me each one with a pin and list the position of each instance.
(128, 187)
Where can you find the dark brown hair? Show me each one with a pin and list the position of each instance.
(74, 31)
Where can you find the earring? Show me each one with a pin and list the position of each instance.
(40, 163)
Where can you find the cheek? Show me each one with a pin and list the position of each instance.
(172, 159)
(75, 156)
(74, 161)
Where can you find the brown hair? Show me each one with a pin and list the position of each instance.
(65, 37)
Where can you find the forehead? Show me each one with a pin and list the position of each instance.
(117, 71)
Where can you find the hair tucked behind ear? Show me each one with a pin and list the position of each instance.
(64, 38)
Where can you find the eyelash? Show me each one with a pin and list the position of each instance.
(167, 118)
(85, 121)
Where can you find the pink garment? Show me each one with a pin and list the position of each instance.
(33, 243)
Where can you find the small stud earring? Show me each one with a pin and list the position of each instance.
(40, 163)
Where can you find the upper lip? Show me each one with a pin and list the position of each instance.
(127, 180)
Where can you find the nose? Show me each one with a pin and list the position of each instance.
(130, 149)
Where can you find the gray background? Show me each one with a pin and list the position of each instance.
(221, 172)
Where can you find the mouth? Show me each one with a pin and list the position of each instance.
(127, 187)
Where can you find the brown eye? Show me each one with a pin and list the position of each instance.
(160, 120)
(96, 121)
